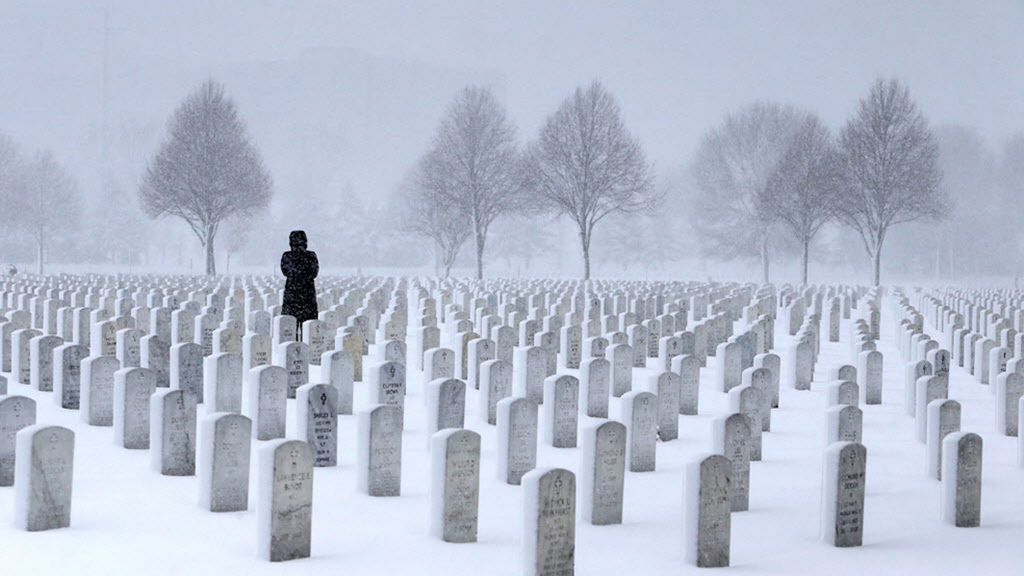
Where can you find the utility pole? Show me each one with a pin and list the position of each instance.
(104, 95)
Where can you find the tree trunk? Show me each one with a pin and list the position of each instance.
(480, 240)
(878, 265)
(211, 266)
(585, 243)
(764, 260)
(39, 253)
(806, 255)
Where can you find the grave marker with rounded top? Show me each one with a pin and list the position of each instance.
(67, 374)
(16, 412)
(761, 379)
(595, 386)
(869, 376)
(446, 405)
(97, 390)
(43, 477)
(913, 371)
(293, 357)
(773, 364)
(843, 479)
(621, 356)
(549, 522)
(132, 390)
(223, 456)
(961, 479)
(156, 355)
(517, 439)
(843, 423)
(1009, 390)
(748, 400)
(41, 369)
(284, 500)
(266, 401)
(730, 436)
(187, 368)
(561, 411)
(640, 415)
(222, 383)
(707, 511)
(495, 384)
(666, 387)
(379, 465)
(21, 352)
(455, 484)
(340, 372)
(172, 432)
(256, 350)
(603, 473)
(928, 388)
(943, 419)
(316, 421)
(438, 363)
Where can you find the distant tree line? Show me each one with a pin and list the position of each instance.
(767, 178)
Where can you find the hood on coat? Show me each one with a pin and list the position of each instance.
(297, 240)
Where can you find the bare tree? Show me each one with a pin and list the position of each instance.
(586, 164)
(807, 184)
(51, 203)
(734, 210)
(427, 212)
(472, 162)
(207, 170)
(891, 161)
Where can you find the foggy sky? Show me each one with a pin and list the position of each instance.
(676, 67)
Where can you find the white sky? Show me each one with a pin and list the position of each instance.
(676, 67)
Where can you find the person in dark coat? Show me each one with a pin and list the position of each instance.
(300, 267)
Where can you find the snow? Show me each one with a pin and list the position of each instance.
(128, 520)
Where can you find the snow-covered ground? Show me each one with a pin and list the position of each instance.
(126, 519)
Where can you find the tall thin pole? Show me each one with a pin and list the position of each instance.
(104, 83)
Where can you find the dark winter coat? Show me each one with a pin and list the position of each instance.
(300, 267)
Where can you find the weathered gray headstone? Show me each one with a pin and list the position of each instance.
(707, 511)
(16, 412)
(285, 500)
(517, 439)
(316, 421)
(455, 485)
(172, 432)
(961, 479)
(640, 415)
(222, 383)
(731, 438)
(44, 470)
(380, 451)
(943, 419)
(603, 473)
(560, 411)
(843, 480)
(495, 384)
(187, 368)
(338, 369)
(132, 390)
(97, 390)
(549, 522)
(223, 456)
(446, 405)
(843, 423)
(266, 401)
